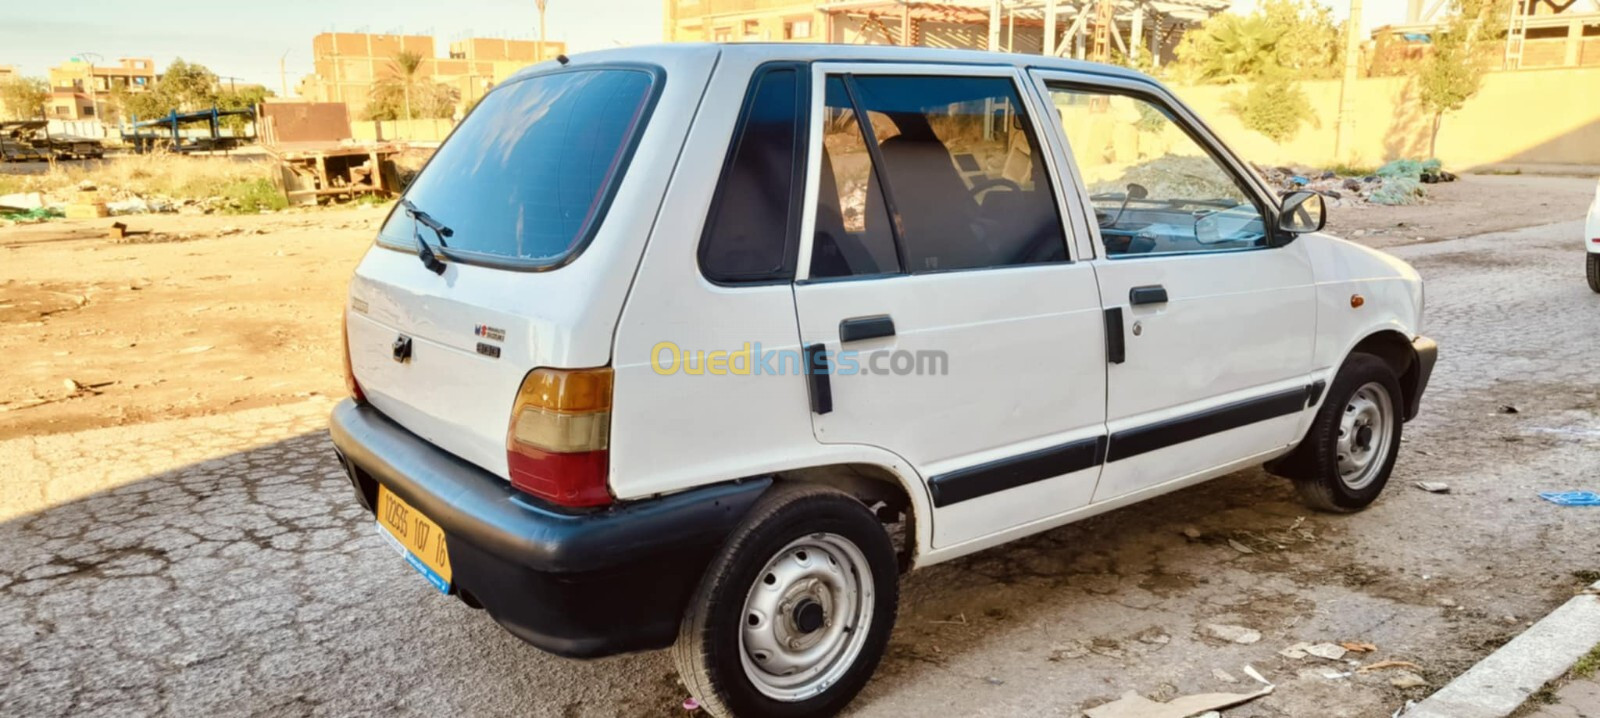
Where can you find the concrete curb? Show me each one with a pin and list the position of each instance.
(1502, 682)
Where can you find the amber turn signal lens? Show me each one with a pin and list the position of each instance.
(1356, 301)
(558, 441)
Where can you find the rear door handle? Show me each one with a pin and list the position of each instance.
(857, 329)
(1151, 294)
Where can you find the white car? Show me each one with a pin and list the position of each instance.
(666, 348)
(1591, 237)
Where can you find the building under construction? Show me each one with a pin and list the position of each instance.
(1539, 33)
(1095, 29)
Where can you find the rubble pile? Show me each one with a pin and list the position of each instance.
(1398, 182)
(27, 207)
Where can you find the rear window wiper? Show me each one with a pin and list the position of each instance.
(425, 251)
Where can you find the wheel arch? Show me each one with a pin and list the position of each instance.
(1395, 349)
(873, 482)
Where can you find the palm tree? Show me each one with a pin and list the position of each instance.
(407, 72)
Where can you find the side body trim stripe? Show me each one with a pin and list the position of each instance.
(1013, 471)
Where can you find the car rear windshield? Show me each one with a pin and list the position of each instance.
(526, 178)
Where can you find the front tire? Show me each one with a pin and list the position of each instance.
(1594, 271)
(1354, 439)
(794, 612)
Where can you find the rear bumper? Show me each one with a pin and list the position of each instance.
(581, 585)
(1416, 378)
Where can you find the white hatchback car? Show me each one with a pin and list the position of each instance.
(696, 357)
(1591, 240)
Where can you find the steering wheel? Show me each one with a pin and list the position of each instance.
(980, 186)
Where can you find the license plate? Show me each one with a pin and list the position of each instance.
(418, 539)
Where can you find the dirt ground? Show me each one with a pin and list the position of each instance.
(182, 541)
(1475, 204)
(194, 315)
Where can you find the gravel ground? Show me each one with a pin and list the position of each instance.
(218, 565)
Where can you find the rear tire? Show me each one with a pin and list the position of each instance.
(1594, 271)
(794, 612)
(1355, 438)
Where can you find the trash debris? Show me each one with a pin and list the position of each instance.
(1191, 533)
(21, 202)
(1241, 548)
(1328, 651)
(1571, 498)
(1382, 665)
(1402, 709)
(1133, 705)
(1358, 646)
(118, 231)
(1223, 676)
(1508, 409)
(1407, 679)
(195, 349)
(1233, 634)
(1433, 487)
(691, 705)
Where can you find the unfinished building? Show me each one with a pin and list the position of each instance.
(1539, 33)
(349, 65)
(1074, 28)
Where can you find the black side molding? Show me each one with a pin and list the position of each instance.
(857, 329)
(1314, 392)
(817, 383)
(1116, 349)
(1152, 294)
(1013, 471)
(1162, 434)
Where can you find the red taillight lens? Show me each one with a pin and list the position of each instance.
(557, 446)
(349, 371)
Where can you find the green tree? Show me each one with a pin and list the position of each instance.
(1274, 106)
(184, 87)
(405, 74)
(1295, 35)
(409, 93)
(24, 98)
(1463, 48)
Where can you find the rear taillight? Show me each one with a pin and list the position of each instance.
(557, 444)
(349, 371)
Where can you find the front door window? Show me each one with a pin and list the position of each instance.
(1155, 190)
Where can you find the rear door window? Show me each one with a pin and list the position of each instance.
(750, 236)
(954, 161)
(527, 177)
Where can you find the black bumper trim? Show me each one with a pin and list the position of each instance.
(1416, 378)
(575, 584)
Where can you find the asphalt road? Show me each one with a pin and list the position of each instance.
(219, 566)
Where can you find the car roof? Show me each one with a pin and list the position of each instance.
(797, 51)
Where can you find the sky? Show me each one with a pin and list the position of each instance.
(236, 40)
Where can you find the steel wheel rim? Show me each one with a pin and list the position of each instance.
(782, 660)
(1365, 431)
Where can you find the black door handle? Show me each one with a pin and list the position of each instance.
(856, 329)
(1152, 294)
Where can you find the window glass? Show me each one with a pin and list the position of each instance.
(1155, 190)
(964, 172)
(852, 235)
(528, 174)
(747, 237)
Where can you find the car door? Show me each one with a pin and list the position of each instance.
(936, 288)
(1211, 316)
